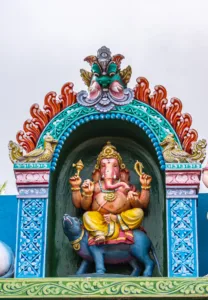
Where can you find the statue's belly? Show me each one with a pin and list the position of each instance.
(117, 206)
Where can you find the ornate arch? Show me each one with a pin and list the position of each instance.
(61, 115)
(59, 112)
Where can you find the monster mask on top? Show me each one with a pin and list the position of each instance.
(106, 82)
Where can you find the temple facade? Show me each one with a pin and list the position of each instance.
(143, 126)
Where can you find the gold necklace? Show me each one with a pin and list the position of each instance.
(75, 243)
(110, 194)
(110, 197)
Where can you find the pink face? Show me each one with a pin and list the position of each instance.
(109, 168)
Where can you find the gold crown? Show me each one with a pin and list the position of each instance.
(109, 151)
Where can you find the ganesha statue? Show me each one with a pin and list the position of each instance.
(107, 82)
(114, 211)
(111, 203)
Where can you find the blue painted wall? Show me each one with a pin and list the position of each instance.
(8, 220)
(203, 234)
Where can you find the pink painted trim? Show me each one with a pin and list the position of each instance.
(32, 177)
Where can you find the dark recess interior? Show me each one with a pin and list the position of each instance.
(86, 143)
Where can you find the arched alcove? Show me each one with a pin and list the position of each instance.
(85, 143)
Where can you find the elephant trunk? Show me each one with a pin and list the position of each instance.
(112, 186)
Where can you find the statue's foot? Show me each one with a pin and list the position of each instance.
(100, 239)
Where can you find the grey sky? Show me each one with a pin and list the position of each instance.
(43, 44)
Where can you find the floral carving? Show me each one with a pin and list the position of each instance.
(33, 128)
(68, 96)
(32, 177)
(172, 111)
(182, 178)
(142, 91)
(24, 139)
(189, 138)
(104, 288)
(51, 105)
(158, 99)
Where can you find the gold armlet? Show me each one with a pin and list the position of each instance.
(146, 187)
(87, 195)
(75, 188)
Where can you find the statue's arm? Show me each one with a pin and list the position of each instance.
(75, 182)
(141, 200)
(76, 198)
(144, 198)
(86, 201)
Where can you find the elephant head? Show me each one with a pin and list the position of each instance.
(111, 169)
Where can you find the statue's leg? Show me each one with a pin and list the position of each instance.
(149, 266)
(95, 224)
(98, 257)
(136, 268)
(140, 250)
(83, 267)
(131, 218)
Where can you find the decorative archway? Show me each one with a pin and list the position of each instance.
(63, 116)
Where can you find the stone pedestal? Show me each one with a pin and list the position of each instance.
(182, 185)
(32, 181)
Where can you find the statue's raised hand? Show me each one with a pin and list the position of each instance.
(88, 186)
(145, 179)
(75, 181)
(132, 196)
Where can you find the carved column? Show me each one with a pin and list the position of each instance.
(32, 181)
(182, 186)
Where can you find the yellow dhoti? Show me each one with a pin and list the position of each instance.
(95, 223)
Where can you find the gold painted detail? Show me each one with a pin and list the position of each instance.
(109, 151)
(75, 189)
(76, 243)
(86, 76)
(87, 195)
(174, 154)
(138, 167)
(126, 74)
(110, 197)
(44, 154)
(146, 187)
(79, 166)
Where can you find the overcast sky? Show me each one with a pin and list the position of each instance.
(43, 44)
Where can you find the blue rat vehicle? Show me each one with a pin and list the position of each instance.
(139, 251)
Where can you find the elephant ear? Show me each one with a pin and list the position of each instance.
(125, 175)
(96, 176)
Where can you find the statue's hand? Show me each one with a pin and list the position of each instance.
(132, 196)
(145, 179)
(75, 181)
(88, 187)
(110, 218)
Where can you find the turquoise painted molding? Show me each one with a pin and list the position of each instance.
(152, 118)
(109, 288)
(138, 113)
(34, 166)
(183, 166)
